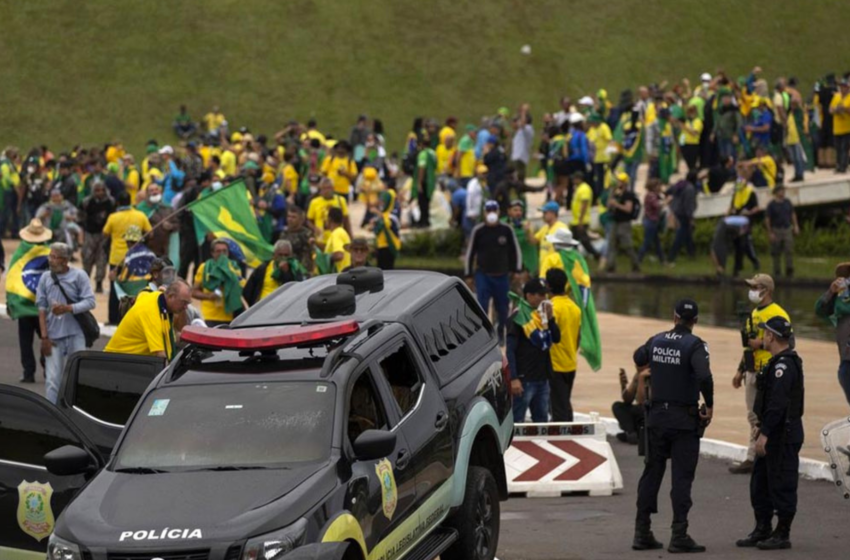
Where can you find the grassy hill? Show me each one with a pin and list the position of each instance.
(87, 72)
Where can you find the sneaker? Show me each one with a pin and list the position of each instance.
(98, 288)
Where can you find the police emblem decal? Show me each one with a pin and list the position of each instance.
(35, 515)
(389, 493)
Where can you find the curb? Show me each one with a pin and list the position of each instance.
(105, 330)
(716, 449)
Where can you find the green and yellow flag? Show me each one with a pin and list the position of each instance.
(323, 262)
(227, 213)
(577, 273)
(28, 264)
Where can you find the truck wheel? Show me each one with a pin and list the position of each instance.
(477, 519)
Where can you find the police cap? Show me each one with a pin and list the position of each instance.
(779, 326)
(686, 309)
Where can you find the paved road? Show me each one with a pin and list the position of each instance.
(580, 527)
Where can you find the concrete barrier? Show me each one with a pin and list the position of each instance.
(547, 460)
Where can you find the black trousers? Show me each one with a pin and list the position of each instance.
(386, 259)
(188, 254)
(744, 247)
(629, 416)
(580, 233)
(682, 448)
(424, 202)
(27, 331)
(690, 152)
(560, 393)
(114, 316)
(773, 484)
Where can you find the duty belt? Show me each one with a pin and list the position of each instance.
(668, 405)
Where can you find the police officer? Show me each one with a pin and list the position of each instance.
(679, 372)
(779, 406)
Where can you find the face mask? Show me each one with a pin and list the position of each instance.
(492, 218)
(155, 199)
(755, 296)
(217, 186)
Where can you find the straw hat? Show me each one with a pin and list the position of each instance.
(35, 232)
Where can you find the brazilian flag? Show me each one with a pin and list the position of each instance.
(528, 319)
(579, 276)
(324, 265)
(227, 214)
(28, 264)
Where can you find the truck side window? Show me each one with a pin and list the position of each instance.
(28, 431)
(403, 376)
(107, 396)
(365, 411)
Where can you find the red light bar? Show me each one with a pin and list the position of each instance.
(267, 338)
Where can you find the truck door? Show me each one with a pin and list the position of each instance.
(424, 418)
(31, 499)
(100, 390)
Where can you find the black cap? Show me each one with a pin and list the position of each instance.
(686, 309)
(779, 326)
(535, 286)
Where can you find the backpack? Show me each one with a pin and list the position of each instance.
(408, 164)
(636, 208)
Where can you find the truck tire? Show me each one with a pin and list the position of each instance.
(477, 519)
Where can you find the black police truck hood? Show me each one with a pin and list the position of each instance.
(123, 510)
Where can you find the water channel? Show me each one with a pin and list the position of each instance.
(719, 304)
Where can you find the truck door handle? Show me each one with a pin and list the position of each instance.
(402, 460)
(442, 421)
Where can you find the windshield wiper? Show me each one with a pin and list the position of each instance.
(140, 470)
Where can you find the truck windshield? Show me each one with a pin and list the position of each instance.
(230, 427)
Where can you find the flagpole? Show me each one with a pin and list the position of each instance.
(179, 211)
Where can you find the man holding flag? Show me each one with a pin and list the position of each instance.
(218, 284)
(568, 259)
(567, 315)
(270, 276)
(28, 264)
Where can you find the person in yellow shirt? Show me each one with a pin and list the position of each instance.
(370, 187)
(551, 224)
(148, 327)
(289, 176)
(564, 353)
(214, 120)
(114, 152)
(761, 295)
(132, 178)
(449, 130)
(600, 136)
(124, 217)
(839, 108)
(338, 241)
(580, 210)
(446, 153)
(763, 167)
(340, 168)
(271, 275)
(218, 285)
(227, 160)
(466, 155)
(561, 240)
(689, 140)
(317, 211)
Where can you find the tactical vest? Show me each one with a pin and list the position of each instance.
(764, 382)
(672, 378)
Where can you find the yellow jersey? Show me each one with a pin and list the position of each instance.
(337, 243)
(213, 309)
(762, 315)
(117, 225)
(317, 211)
(546, 247)
(840, 121)
(146, 329)
(567, 315)
(583, 194)
(331, 168)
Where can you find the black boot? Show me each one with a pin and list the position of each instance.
(781, 537)
(644, 539)
(681, 541)
(761, 533)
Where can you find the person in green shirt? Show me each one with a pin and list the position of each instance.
(183, 125)
(425, 181)
(10, 179)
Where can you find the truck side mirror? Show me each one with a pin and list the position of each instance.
(68, 460)
(374, 444)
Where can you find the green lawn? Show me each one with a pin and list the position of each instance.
(89, 72)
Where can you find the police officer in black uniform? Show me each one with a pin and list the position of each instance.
(779, 406)
(679, 372)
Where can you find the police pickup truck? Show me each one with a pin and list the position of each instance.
(354, 416)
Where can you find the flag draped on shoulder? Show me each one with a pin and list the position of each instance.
(226, 213)
(28, 264)
(528, 319)
(577, 273)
